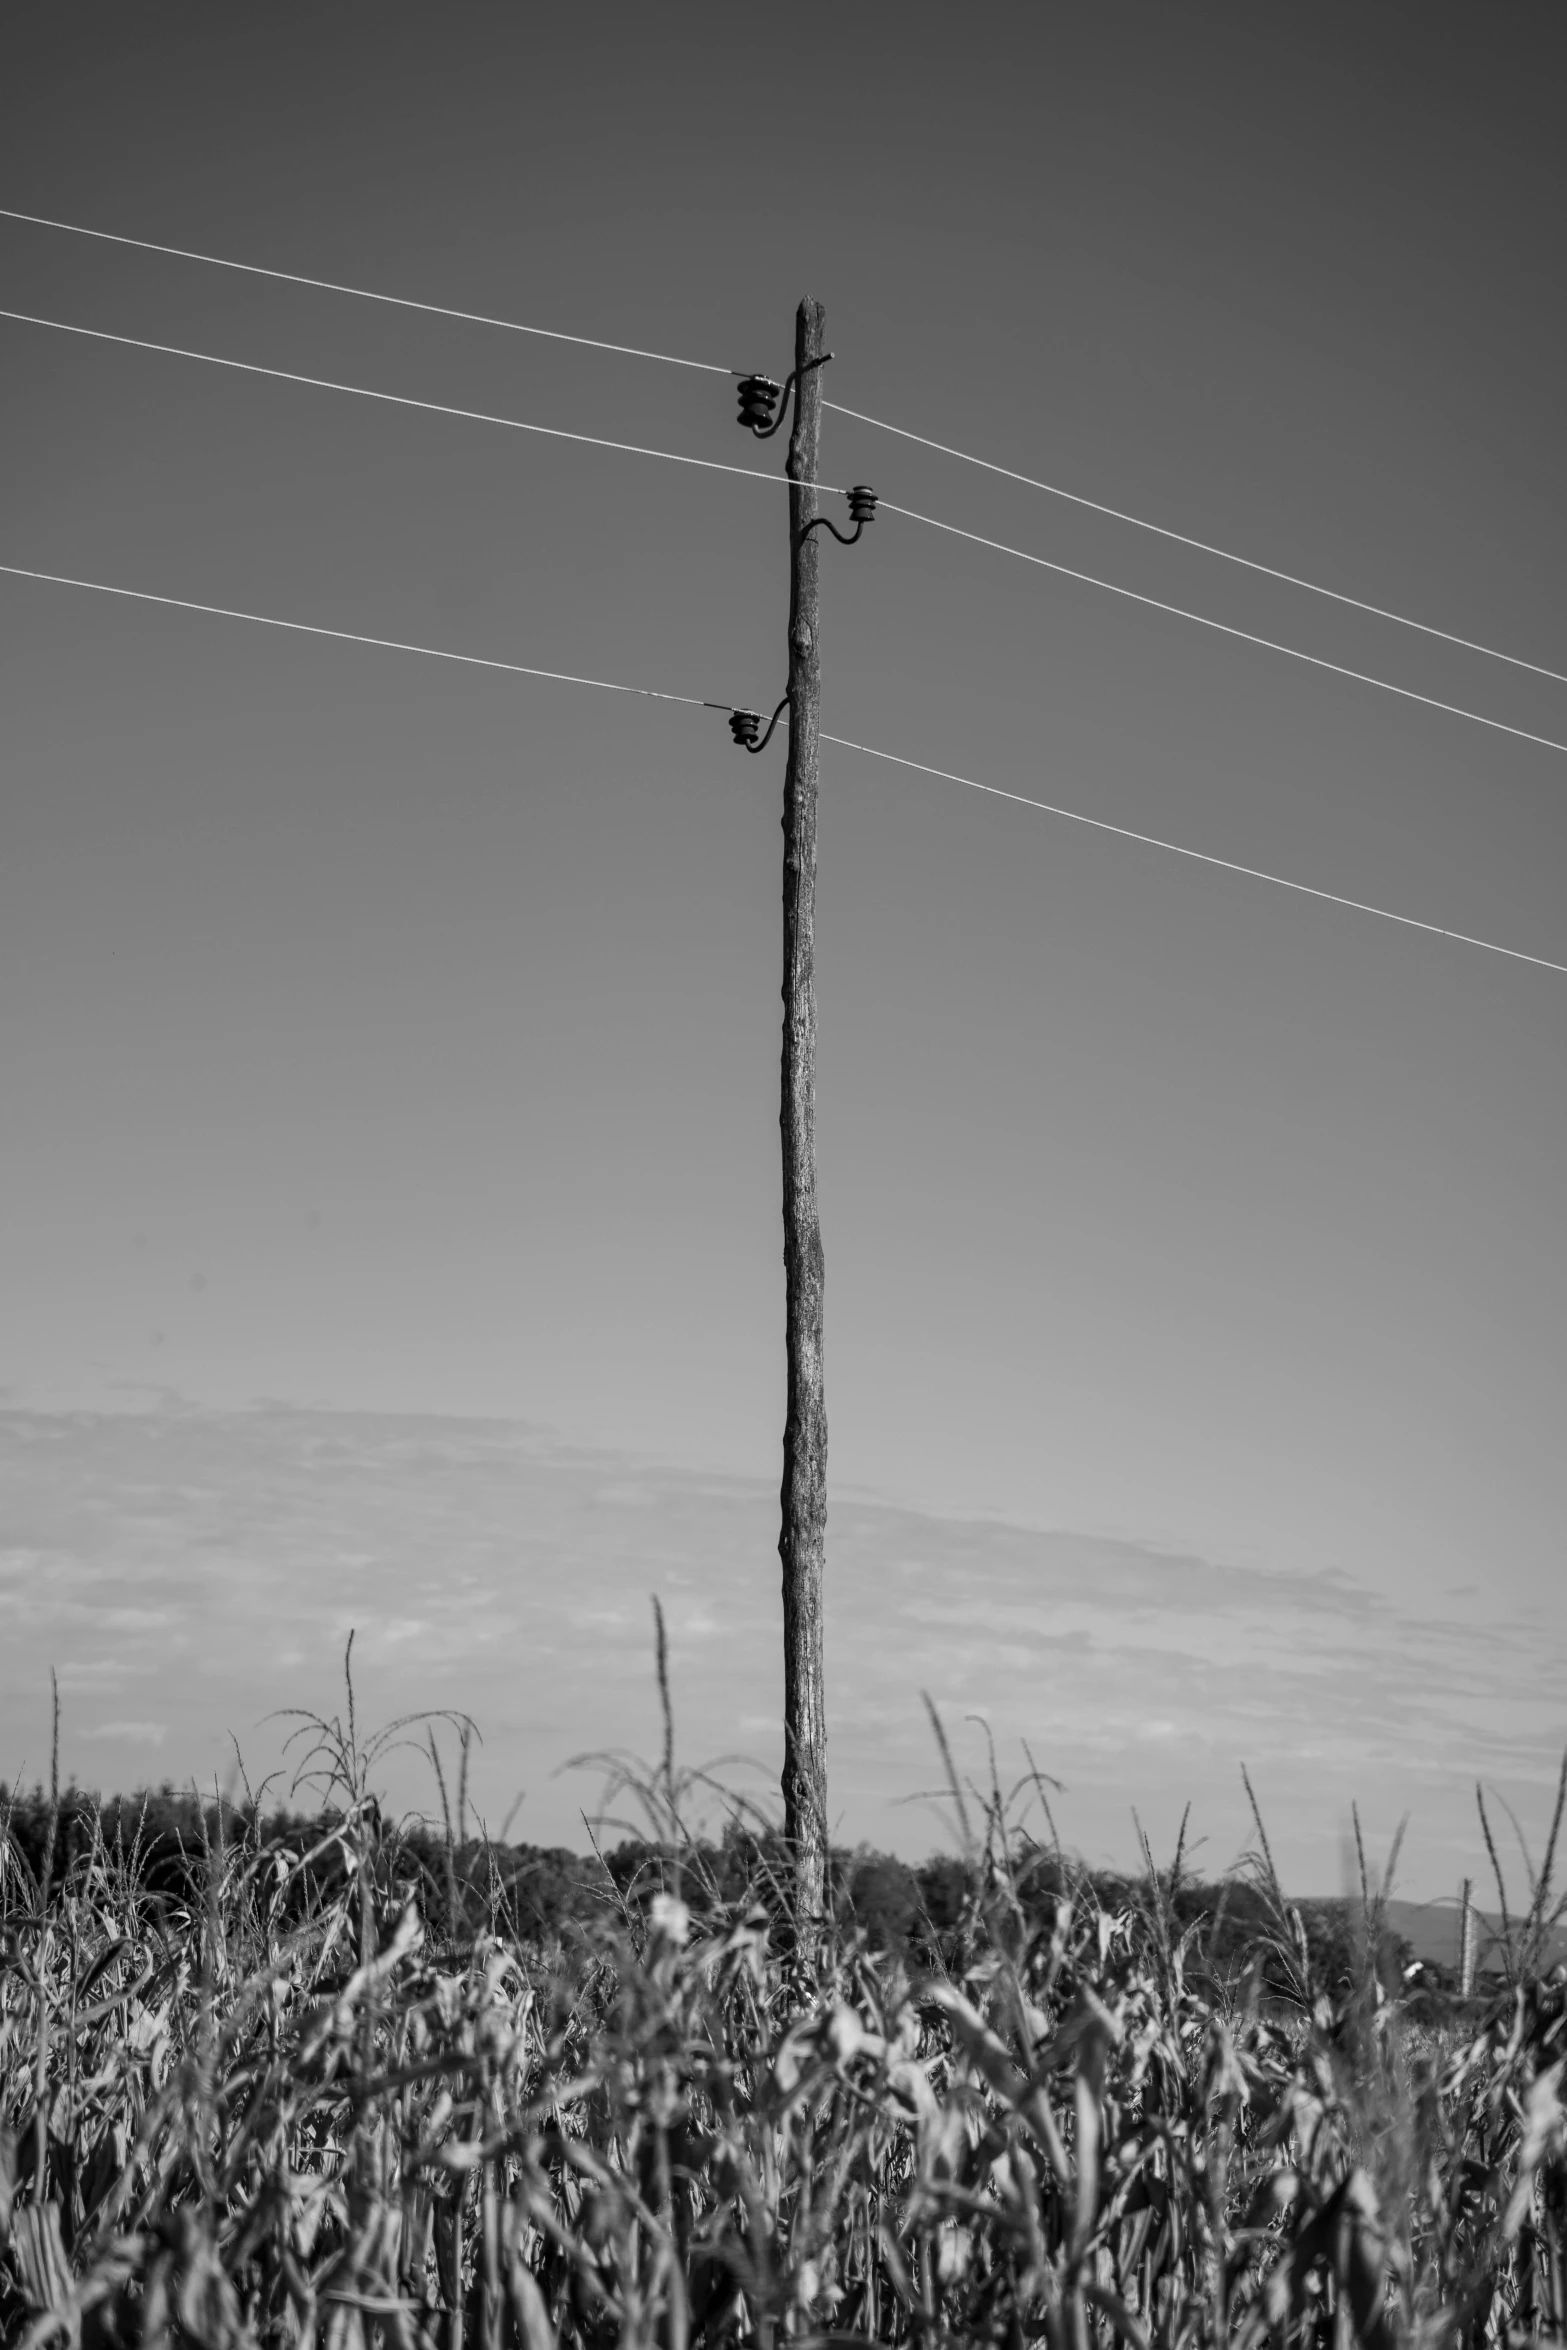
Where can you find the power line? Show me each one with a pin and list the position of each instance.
(841, 742)
(1197, 856)
(324, 383)
(750, 473)
(1247, 636)
(877, 423)
(1184, 538)
(352, 636)
(324, 285)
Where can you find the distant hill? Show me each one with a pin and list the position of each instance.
(1431, 1929)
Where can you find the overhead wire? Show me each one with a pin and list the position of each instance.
(326, 285)
(841, 742)
(325, 383)
(1184, 538)
(859, 416)
(354, 636)
(1196, 856)
(1248, 636)
(752, 473)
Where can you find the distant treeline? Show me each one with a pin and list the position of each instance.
(919, 1911)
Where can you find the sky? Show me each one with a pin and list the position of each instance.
(389, 1226)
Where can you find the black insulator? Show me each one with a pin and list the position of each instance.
(745, 726)
(758, 398)
(862, 504)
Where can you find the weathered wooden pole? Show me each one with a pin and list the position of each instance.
(802, 1539)
(1466, 1942)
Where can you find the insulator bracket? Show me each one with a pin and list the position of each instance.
(746, 727)
(862, 509)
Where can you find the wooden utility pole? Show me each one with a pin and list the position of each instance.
(1466, 1942)
(802, 1539)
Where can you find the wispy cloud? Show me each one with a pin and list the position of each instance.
(214, 1564)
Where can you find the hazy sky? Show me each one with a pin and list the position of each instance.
(389, 1223)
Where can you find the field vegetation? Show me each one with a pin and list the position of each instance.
(309, 2076)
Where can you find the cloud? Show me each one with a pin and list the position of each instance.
(215, 1563)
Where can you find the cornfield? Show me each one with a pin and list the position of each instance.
(320, 2092)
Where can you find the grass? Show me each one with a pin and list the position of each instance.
(334, 2083)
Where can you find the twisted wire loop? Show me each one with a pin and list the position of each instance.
(745, 726)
